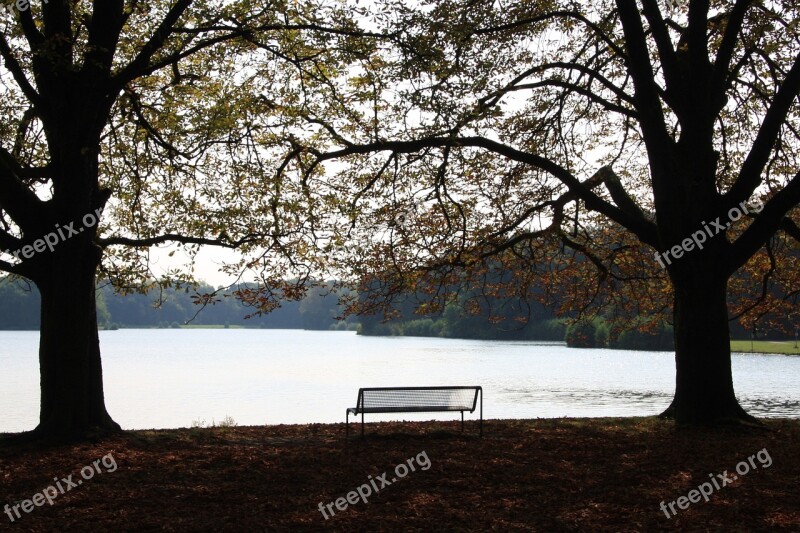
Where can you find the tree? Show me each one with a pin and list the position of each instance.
(132, 124)
(319, 309)
(608, 129)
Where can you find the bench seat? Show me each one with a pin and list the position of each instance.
(416, 400)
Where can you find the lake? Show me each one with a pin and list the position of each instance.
(165, 378)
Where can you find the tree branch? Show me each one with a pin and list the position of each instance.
(139, 64)
(620, 195)
(592, 73)
(697, 38)
(768, 221)
(555, 15)
(5, 266)
(15, 68)
(648, 102)
(750, 174)
(666, 52)
(790, 228)
(764, 285)
(147, 69)
(609, 106)
(15, 197)
(728, 46)
(643, 228)
(177, 238)
(9, 242)
(104, 31)
(29, 29)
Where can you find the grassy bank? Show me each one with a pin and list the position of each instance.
(523, 475)
(779, 347)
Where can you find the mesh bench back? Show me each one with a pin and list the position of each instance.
(410, 399)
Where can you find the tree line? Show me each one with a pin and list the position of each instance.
(319, 310)
(173, 308)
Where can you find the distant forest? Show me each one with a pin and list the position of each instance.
(19, 310)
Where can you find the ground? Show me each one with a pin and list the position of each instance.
(523, 475)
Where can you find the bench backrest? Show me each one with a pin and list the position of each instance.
(410, 399)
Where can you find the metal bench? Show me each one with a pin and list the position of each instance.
(415, 400)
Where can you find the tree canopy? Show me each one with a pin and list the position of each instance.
(586, 138)
(157, 120)
(412, 149)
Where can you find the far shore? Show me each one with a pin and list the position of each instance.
(765, 347)
(737, 346)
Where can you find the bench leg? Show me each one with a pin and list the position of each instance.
(481, 412)
(347, 426)
(362, 425)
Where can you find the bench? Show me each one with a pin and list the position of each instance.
(415, 400)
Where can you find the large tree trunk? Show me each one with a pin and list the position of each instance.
(72, 401)
(704, 385)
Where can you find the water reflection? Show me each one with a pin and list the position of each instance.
(771, 407)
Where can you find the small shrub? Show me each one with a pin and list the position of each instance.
(227, 422)
(418, 328)
(661, 340)
(581, 335)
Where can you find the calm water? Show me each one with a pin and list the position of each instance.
(171, 378)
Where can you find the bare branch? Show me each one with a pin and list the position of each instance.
(555, 15)
(666, 52)
(177, 238)
(750, 174)
(13, 65)
(643, 228)
(768, 221)
(138, 66)
(724, 57)
(648, 102)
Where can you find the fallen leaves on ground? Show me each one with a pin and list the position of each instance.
(522, 475)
